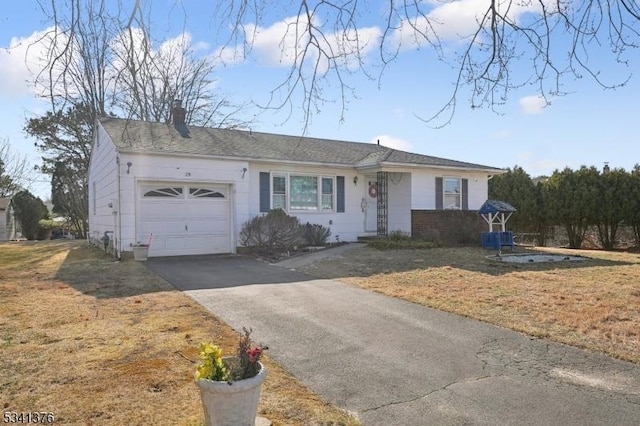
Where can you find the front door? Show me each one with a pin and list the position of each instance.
(371, 205)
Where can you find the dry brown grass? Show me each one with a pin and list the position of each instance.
(102, 342)
(593, 304)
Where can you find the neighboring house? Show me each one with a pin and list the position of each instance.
(190, 189)
(8, 229)
(4, 216)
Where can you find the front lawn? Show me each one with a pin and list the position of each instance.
(100, 342)
(593, 304)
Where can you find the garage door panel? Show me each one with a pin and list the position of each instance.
(158, 227)
(202, 210)
(173, 243)
(213, 227)
(194, 222)
(205, 242)
(161, 211)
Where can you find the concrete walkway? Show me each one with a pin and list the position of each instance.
(392, 362)
(309, 258)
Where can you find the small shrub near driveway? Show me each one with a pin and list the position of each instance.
(275, 231)
(399, 240)
(316, 235)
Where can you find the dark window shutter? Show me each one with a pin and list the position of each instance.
(439, 193)
(265, 192)
(465, 194)
(340, 193)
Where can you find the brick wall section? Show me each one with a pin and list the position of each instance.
(448, 227)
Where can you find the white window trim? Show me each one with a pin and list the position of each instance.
(445, 193)
(286, 189)
(318, 209)
(185, 193)
(220, 191)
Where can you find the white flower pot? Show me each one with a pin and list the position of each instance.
(140, 252)
(233, 404)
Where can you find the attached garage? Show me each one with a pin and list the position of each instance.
(185, 219)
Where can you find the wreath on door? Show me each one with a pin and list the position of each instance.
(373, 190)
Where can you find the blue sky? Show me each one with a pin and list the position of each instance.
(587, 127)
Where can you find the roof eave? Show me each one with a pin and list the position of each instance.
(235, 158)
(490, 170)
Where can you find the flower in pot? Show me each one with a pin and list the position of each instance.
(230, 386)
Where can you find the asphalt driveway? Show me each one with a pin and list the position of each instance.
(219, 271)
(391, 362)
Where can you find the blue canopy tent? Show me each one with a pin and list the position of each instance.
(497, 213)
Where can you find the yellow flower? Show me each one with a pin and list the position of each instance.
(204, 371)
(211, 366)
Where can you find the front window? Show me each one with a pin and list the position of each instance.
(302, 192)
(327, 193)
(452, 193)
(279, 192)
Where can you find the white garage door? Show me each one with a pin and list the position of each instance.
(184, 219)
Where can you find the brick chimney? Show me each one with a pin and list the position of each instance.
(178, 113)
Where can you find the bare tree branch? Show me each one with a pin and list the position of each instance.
(554, 41)
(15, 172)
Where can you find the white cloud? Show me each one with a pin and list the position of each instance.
(289, 42)
(230, 55)
(393, 142)
(201, 45)
(455, 20)
(532, 105)
(20, 62)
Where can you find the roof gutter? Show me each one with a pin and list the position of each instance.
(317, 163)
(490, 170)
(232, 158)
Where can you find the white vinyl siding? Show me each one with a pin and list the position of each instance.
(103, 191)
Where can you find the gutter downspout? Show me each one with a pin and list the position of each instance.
(118, 245)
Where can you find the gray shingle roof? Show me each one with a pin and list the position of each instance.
(146, 137)
(496, 206)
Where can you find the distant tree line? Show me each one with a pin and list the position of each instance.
(576, 200)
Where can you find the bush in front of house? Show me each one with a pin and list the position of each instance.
(316, 235)
(399, 240)
(275, 231)
(399, 236)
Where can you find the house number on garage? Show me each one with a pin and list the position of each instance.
(187, 174)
